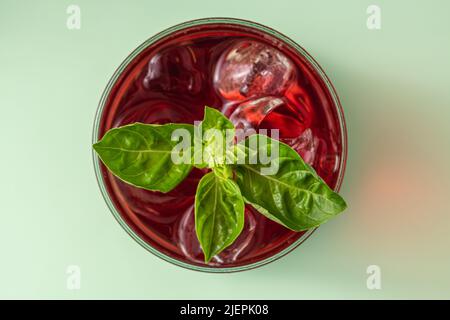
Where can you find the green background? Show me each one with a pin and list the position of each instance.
(394, 87)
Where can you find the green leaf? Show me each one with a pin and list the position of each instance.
(294, 196)
(141, 155)
(214, 119)
(219, 213)
(214, 140)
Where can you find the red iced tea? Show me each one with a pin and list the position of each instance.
(256, 80)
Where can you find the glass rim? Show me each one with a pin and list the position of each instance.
(198, 22)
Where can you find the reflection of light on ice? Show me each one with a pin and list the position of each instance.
(305, 144)
(252, 69)
(248, 115)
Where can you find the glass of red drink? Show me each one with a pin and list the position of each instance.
(258, 78)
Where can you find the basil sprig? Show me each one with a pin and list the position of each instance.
(292, 195)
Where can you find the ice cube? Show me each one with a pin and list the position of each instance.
(174, 69)
(160, 207)
(187, 241)
(244, 242)
(305, 144)
(248, 115)
(186, 237)
(252, 69)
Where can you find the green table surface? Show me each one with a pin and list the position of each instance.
(394, 87)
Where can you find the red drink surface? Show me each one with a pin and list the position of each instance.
(171, 81)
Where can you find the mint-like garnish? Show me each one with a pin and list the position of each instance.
(260, 171)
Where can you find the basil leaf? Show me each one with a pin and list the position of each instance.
(214, 119)
(219, 213)
(141, 155)
(214, 140)
(295, 196)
